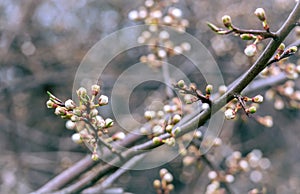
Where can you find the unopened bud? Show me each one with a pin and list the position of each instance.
(170, 141)
(109, 122)
(250, 50)
(149, 115)
(103, 100)
(70, 125)
(176, 118)
(293, 49)
(95, 156)
(95, 90)
(180, 84)
(156, 140)
(251, 110)
(169, 128)
(227, 21)
(229, 114)
(60, 111)
(168, 177)
(81, 92)
(118, 136)
(213, 27)
(247, 37)
(51, 104)
(209, 89)
(260, 13)
(70, 104)
(258, 99)
(76, 138)
(93, 112)
(156, 184)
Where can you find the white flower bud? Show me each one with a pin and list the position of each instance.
(258, 99)
(95, 89)
(81, 92)
(149, 114)
(60, 110)
(133, 15)
(229, 178)
(167, 19)
(76, 138)
(250, 50)
(157, 129)
(176, 118)
(162, 53)
(70, 104)
(229, 114)
(168, 177)
(212, 175)
(175, 12)
(70, 125)
(260, 13)
(118, 136)
(103, 100)
(109, 122)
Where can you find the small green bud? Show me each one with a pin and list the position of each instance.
(209, 89)
(281, 47)
(156, 140)
(181, 84)
(247, 37)
(169, 128)
(227, 21)
(293, 49)
(176, 118)
(51, 104)
(95, 156)
(251, 110)
(213, 27)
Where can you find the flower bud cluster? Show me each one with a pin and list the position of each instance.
(285, 95)
(164, 184)
(157, 14)
(240, 102)
(192, 94)
(164, 121)
(84, 117)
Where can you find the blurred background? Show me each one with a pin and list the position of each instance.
(43, 42)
